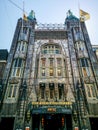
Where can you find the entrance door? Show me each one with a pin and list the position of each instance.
(52, 122)
(94, 123)
(7, 123)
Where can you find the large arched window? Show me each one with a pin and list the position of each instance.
(51, 49)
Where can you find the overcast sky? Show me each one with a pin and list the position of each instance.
(46, 11)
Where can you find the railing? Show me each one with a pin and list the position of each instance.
(50, 26)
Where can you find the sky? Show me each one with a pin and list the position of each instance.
(46, 11)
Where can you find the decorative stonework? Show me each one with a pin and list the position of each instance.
(13, 80)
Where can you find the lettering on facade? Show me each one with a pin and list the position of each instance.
(51, 109)
(51, 103)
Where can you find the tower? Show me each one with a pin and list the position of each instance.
(51, 77)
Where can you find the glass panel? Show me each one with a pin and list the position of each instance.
(43, 61)
(43, 72)
(14, 91)
(45, 51)
(84, 72)
(84, 63)
(88, 91)
(59, 72)
(18, 72)
(15, 63)
(59, 62)
(10, 90)
(93, 91)
(19, 62)
(51, 93)
(60, 93)
(51, 71)
(51, 62)
(24, 30)
(42, 92)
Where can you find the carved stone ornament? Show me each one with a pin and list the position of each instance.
(89, 80)
(13, 80)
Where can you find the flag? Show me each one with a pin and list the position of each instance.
(84, 15)
(25, 17)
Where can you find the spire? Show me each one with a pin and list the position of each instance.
(70, 16)
(32, 15)
(69, 13)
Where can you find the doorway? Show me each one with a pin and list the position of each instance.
(7, 123)
(94, 123)
(52, 121)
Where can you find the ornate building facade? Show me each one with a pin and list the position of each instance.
(51, 78)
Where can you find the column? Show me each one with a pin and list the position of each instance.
(56, 91)
(47, 92)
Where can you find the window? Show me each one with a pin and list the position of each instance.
(24, 34)
(59, 62)
(61, 90)
(22, 46)
(59, 65)
(85, 67)
(59, 72)
(84, 63)
(84, 72)
(51, 62)
(51, 93)
(96, 68)
(12, 91)
(42, 92)
(91, 92)
(51, 49)
(43, 62)
(51, 71)
(60, 93)
(81, 46)
(51, 86)
(17, 68)
(25, 30)
(43, 72)
(45, 51)
(57, 50)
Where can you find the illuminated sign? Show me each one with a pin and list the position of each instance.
(51, 103)
(51, 109)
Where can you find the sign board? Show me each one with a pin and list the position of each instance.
(42, 110)
(51, 103)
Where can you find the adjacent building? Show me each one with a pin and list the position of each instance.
(3, 62)
(95, 49)
(51, 78)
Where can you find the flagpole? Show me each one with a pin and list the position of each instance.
(79, 8)
(79, 18)
(22, 16)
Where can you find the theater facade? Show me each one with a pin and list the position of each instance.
(51, 77)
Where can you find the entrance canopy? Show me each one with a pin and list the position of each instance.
(49, 110)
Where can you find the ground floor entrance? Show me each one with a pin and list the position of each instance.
(51, 122)
(6, 123)
(94, 123)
